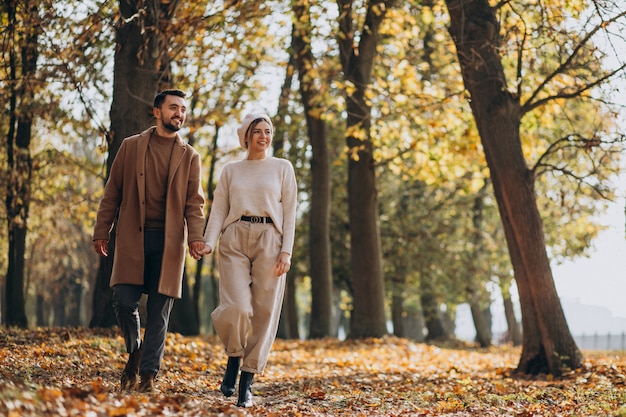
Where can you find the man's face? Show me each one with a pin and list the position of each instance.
(172, 113)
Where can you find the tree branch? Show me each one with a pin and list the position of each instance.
(531, 103)
(566, 94)
(579, 142)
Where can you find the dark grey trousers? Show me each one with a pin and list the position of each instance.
(126, 304)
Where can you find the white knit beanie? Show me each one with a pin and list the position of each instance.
(245, 124)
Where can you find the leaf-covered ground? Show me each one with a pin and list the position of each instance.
(72, 372)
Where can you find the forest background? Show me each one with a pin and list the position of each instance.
(387, 117)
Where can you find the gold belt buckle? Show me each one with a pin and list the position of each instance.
(256, 219)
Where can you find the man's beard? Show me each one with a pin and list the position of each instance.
(169, 126)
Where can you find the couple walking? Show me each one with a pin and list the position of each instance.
(153, 201)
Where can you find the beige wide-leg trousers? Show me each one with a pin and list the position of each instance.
(251, 297)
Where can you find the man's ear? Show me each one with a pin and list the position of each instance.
(156, 112)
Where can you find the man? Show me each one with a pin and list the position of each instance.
(154, 196)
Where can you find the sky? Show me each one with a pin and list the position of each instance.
(599, 280)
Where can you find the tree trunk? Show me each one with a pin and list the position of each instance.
(413, 324)
(75, 297)
(58, 315)
(183, 320)
(136, 77)
(40, 307)
(19, 163)
(288, 325)
(548, 346)
(433, 318)
(397, 303)
(321, 323)
(482, 324)
(368, 315)
(514, 332)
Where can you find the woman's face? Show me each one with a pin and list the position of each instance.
(260, 137)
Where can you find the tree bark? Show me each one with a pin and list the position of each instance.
(288, 325)
(136, 77)
(40, 314)
(514, 333)
(413, 323)
(18, 196)
(368, 315)
(548, 346)
(75, 297)
(482, 324)
(183, 319)
(482, 321)
(398, 283)
(321, 324)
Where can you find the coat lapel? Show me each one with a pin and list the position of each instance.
(142, 150)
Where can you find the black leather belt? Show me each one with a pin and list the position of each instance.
(256, 219)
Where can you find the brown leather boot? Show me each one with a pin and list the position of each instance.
(131, 371)
(147, 383)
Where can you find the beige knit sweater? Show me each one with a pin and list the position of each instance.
(265, 187)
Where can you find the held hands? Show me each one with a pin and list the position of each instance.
(199, 248)
(205, 250)
(282, 265)
(196, 249)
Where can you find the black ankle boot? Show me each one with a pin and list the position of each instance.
(230, 376)
(245, 389)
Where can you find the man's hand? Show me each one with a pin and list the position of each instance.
(101, 246)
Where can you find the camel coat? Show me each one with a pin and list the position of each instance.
(124, 203)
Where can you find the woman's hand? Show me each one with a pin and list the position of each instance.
(204, 250)
(282, 265)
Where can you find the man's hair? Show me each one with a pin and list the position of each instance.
(160, 98)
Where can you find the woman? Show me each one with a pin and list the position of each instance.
(254, 210)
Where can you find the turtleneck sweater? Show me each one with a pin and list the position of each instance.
(157, 167)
